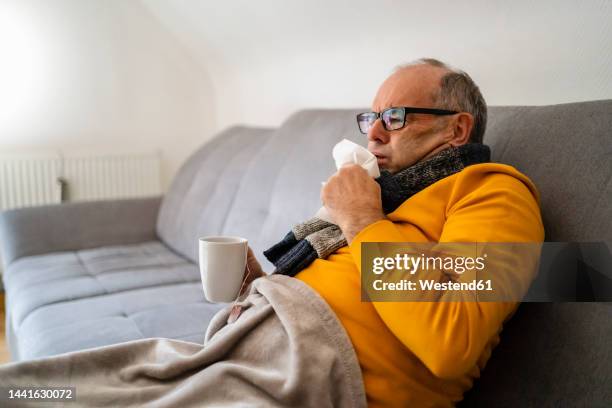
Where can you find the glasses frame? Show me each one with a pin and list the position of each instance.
(407, 110)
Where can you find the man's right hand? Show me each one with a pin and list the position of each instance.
(256, 272)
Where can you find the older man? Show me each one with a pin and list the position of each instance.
(427, 123)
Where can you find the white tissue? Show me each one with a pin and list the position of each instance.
(347, 152)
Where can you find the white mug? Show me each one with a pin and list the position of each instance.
(222, 263)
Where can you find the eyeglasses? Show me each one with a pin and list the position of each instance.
(394, 118)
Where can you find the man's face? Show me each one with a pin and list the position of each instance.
(423, 134)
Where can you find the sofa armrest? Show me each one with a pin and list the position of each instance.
(72, 226)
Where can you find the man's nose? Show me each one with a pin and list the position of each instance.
(378, 133)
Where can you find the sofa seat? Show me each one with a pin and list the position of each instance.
(70, 300)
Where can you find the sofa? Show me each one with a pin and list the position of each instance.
(88, 274)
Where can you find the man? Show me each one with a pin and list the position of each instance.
(421, 353)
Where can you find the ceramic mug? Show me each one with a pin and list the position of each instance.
(222, 264)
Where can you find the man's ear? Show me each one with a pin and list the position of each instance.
(461, 128)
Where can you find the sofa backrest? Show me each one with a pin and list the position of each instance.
(257, 183)
(204, 188)
(556, 354)
(566, 150)
(283, 184)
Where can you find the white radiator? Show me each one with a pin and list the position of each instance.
(36, 180)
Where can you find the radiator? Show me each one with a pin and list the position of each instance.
(37, 180)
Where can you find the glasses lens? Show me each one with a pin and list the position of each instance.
(393, 118)
(365, 121)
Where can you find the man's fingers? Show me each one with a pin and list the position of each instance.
(351, 167)
(347, 165)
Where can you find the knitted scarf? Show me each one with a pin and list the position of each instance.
(316, 238)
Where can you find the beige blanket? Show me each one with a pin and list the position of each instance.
(286, 349)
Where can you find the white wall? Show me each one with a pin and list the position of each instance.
(130, 75)
(98, 76)
(269, 58)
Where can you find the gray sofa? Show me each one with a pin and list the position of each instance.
(89, 274)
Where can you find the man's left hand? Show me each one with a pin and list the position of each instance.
(353, 200)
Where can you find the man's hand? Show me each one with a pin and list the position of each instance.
(256, 272)
(353, 200)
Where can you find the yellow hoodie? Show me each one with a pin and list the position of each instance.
(428, 353)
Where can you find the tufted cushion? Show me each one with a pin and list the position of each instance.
(68, 301)
(254, 183)
(282, 185)
(204, 189)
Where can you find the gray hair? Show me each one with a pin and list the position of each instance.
(458, 92)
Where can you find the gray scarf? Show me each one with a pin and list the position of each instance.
(316, 238)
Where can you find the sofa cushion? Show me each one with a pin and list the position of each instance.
(68, 301)
(204, 188)
(254, 183)
(567, 151)
(282, 185)
(556, 354)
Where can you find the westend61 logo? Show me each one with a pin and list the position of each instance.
(442, 272)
